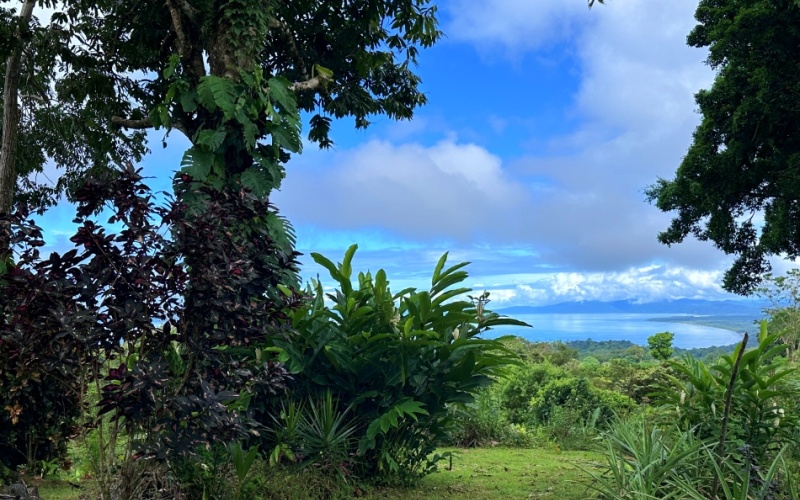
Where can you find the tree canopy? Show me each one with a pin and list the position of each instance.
(739, 183)
(227, 73)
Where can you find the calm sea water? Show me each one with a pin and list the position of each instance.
(633, 327)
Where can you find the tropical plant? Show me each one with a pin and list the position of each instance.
(577, 395)
(740, 481)
(783, 311)
(645, 461)
(242, 461)
(396, 360)
(762, 413)
(483, 422)
(177, 382)
(521, 384)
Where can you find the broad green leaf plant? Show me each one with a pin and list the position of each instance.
(763, 402)
(395, 361)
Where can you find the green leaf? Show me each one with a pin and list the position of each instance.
(256, 180)
(197, 163)
(373, 428)
(327, 264)
(213, 139)
(346, 269)
(324, 73)
(286, 136)
(188, 100)
(169, 70)
(438, 269)
(250, 132)
(280, 91)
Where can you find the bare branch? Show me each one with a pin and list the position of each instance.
(132, 124)
(145, 123)
(189, 11)
(189, 56)
(311, 84)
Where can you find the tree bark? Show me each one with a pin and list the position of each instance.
(11, 123)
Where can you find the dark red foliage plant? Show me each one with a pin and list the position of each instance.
(173, 302)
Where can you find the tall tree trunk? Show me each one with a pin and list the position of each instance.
(11, 123)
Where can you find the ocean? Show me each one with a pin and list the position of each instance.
(612, 326)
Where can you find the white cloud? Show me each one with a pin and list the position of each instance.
(580, 209)
(449, 190)
(647, 285)
(515, 25)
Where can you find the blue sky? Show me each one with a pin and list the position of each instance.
(545, 123)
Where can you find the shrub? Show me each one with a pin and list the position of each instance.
(763, 414)
(483, 423)
(521, 384)
(395, 361)
(645, 461)
(175, 299)
(577, 395)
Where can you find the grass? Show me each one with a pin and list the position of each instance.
(505, 473)
(484, 473)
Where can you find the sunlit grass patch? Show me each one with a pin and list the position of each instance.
(506, 473)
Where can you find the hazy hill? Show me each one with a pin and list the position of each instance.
(680, 306)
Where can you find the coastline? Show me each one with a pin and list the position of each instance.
(733, 323)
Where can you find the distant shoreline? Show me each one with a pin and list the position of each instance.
(737, 324)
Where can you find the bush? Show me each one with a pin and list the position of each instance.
(644, 461)
(176, 299)
(577, 395)
(521, 384)
(394, 362)
(763, 415)
(648, 461)
(483, 423)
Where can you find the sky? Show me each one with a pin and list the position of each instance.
(546, 121)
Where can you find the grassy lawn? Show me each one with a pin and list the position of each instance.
(483, 473)
(506, 473)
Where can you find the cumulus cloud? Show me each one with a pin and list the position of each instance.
(646, 284)
(514, 25)
(576, 214)
(449, 190)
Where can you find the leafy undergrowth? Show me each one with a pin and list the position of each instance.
(484, 473)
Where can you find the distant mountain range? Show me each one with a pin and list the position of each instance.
(680, 306)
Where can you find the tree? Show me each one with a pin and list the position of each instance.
(11, 118)
(783, 295)
(55, 95)
(744, 162)
(661, 345)
(234, 76)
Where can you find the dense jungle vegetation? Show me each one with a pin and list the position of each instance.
(172, 352)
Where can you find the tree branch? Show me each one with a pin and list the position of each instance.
(287, 34)
(132, 124)
(188, 11)
(310, 84)
(189, 56)
(145, 123)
